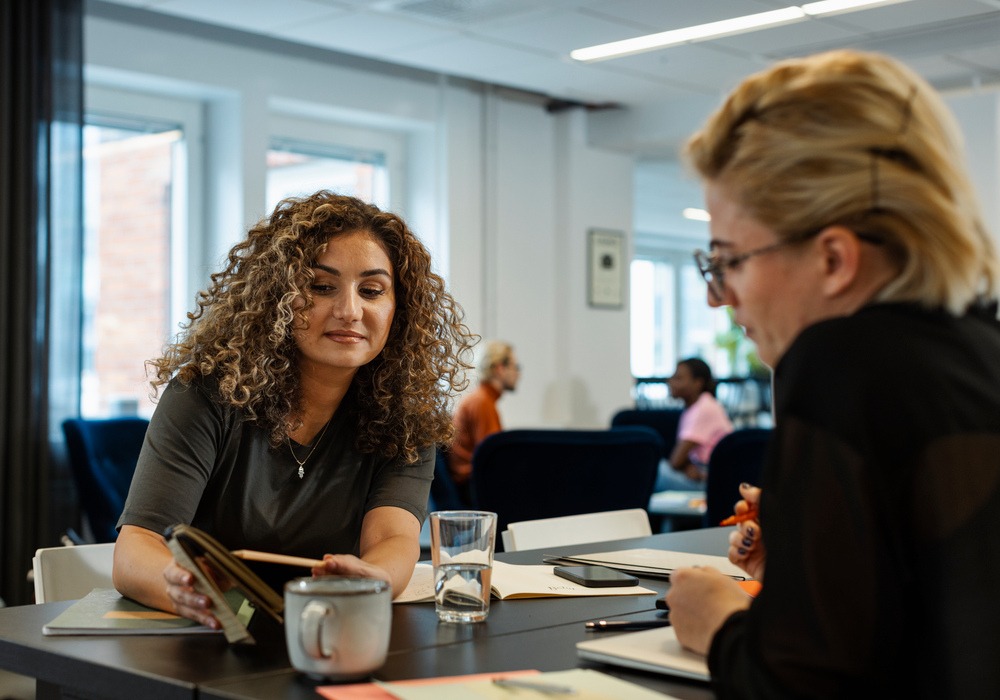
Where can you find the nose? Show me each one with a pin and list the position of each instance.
(348, 306)
(718, 301)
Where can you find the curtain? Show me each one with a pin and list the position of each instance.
(41, 85)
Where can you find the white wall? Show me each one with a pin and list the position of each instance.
(978, 115)
(503, 194)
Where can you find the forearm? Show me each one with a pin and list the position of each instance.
(680, 457)
(140, 557)
(390, 543)
(396, 556)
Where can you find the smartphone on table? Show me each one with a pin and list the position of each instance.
(595, 576)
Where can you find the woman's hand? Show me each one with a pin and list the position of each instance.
(187, 601)
(350, 565)
(700, 599)
(746, 543)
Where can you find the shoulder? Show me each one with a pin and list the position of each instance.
(191, 402)
(891, 352)
(905, 334)
(475, 399)
(708, 403)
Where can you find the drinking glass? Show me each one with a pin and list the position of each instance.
(462, 544)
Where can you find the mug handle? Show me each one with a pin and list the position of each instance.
(314, 619)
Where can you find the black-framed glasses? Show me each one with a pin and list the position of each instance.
(713, 267)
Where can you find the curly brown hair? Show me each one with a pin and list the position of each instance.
(241, 332)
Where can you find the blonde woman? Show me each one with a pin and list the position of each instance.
(847, 241)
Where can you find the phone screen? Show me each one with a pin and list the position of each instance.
(595, 576)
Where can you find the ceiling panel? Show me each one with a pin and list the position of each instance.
(525, 43)
(649, 16)
(248, 15)
(368, 34)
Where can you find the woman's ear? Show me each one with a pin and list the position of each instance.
(841, 259)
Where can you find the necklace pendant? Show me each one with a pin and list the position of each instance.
(302, 471)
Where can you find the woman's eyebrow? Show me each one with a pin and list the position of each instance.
(364, 273)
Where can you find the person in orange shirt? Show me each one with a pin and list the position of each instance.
(476, 415)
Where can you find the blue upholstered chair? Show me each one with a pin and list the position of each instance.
(445, 494)
(663, 420)
(532, 474)
(737, 457)
(102, 457)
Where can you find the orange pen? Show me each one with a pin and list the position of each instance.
(742, 517)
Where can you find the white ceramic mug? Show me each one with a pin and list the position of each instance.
(337, 627)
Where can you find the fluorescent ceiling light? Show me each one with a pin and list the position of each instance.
(726, 27)
(696, 214)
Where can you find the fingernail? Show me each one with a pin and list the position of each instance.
(747, 541)
(744, 485)
(741, 550)
(750, 530)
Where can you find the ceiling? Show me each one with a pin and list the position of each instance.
(525, 44)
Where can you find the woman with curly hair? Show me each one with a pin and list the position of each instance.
(301, 405)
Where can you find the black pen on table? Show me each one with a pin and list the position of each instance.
(625, 625)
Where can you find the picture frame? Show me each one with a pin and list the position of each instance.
(605, 268)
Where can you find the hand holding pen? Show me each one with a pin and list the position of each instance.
(734, 519)
(750, 501)
(746, 544)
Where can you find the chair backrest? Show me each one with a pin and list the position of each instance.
(534, 474)
(444, 493)
(663, 420)
(577, 529)
(102, 457)
(69, 573)
(736, 458)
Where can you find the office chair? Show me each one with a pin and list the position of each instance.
(576, 529)
(533, 474)
(102, 457)
(69, 573)
(663, 420)
(445, 494)
(737, 457)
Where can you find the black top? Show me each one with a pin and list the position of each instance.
(203, 464)
(881, 515)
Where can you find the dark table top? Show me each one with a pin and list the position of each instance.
(518, 634)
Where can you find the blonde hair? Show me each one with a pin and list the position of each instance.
(856, 139)
(495, 352)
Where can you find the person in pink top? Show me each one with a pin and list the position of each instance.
(702, 424)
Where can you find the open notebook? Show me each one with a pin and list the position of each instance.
(654, 650)
(514, 581)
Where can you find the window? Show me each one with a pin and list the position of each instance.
(128, 179)
(297, 168)
(308, 152)
(670, 317)
(139, 167)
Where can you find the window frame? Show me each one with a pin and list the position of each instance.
(333, 135)
(187, 227)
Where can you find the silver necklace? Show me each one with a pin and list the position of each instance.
(302, 464)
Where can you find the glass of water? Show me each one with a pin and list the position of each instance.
(462, 553)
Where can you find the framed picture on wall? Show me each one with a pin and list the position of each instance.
(605, 268)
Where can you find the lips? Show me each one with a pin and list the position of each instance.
(344, 336)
